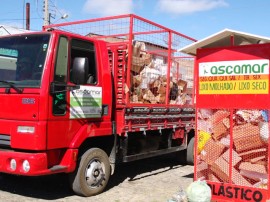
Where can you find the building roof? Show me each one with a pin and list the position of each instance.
(8, 30)
(223, 38)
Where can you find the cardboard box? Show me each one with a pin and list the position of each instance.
(162, 89)
(212, 151)
(237, 178)
(134, 98)
(150, 97)
(182, 86)
(136, 80)
(202, 170)
(137, 64)
(147, 58)
(218, 116)
(221, 168)
(155, 86)
(219, 130)
(137, 48)
(161, 98)
(235, 157)
(253, 167)
(212, 177)
(247, 137)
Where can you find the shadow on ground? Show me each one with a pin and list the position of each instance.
(57, 186)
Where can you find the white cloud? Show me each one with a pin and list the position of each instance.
(108, 7)
(188, 6)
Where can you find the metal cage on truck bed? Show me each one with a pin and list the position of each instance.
(153, 82)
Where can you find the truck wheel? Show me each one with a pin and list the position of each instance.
(92, 173)
(190, 152)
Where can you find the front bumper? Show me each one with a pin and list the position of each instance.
(38, 163)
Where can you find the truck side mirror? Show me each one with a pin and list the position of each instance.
(79, 72)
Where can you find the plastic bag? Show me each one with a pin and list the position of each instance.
(180, 196)
(148, 76)
(199, 191)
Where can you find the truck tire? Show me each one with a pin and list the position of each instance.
(92, 173)
(190, 152)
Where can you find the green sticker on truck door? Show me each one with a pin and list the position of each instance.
(86, 102)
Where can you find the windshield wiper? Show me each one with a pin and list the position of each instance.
(11, 84)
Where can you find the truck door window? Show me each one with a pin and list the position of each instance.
(80, 48)
(61, 61)
(60, 76)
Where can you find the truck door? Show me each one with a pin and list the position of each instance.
(70, 106)
(86, 101)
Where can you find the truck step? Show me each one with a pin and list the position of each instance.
(58, 167)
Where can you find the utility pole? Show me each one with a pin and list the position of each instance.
(28, 16)
(46, 13)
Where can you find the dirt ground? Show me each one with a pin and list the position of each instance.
(151, 180)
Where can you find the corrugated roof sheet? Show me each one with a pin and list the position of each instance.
(8, 30)
(223, 38)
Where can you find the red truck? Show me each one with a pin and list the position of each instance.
(80, 97)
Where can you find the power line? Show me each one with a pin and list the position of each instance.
(54, 5)
(37, 10)
(50, 11)
(7, 19)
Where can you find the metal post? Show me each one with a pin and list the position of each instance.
(27, 16)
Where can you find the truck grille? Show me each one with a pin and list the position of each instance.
(4, 140)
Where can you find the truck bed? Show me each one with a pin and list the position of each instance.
(148, 101)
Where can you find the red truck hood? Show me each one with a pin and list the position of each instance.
(19, 106)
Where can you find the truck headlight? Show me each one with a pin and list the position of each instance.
(13, 164)
(26, 166)
(26, 129)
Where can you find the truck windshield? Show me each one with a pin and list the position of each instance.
(22, 59)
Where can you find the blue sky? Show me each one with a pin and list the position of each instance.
(195, 18)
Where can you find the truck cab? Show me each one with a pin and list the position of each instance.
(34, 110)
